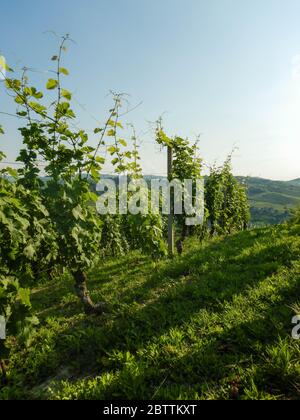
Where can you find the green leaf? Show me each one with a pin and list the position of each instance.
(4, 65)
(112, 149)
(100, 160)
(71, 114)
(98, 130)
(114, 124)
(111, 133)
(52, 84)
(29, 251)
(66, 94)
(63, 109)
(27, 91)
(77, 213)
(24, 296)
(38, 108)
(92, 196)
(123, 142)
(63, 71)
(162, 138)
(37, 95)
(19, 100)
(95, 174)
(12, 172)
(33, 320)
(14, 84)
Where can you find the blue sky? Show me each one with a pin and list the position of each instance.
(227, 69)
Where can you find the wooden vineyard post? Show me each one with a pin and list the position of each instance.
(171, 214)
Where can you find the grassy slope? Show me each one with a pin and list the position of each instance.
(215, 323)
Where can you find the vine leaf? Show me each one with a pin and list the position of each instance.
(52, 84)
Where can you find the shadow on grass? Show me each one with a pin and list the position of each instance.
(203, 280)
(219, 363)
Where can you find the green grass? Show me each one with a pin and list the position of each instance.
(212, 324)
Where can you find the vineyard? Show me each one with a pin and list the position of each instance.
(95, 307)
(212, 324)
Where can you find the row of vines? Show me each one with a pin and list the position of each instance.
(49, 223)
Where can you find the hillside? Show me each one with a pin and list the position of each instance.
(212, 324)
(271, 201)
(295, 182)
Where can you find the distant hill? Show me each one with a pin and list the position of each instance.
(295, 182)
(271, 201)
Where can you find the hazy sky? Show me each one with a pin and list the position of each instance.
(225, 68)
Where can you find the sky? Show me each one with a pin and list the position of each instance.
(227, 70)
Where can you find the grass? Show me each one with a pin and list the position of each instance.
(212, 324)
